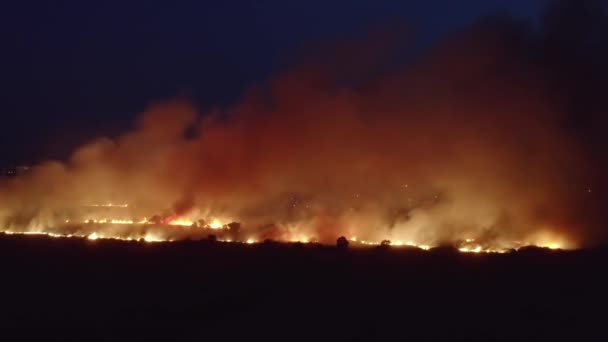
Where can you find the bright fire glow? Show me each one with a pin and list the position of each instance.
(143, 230)
(469, 247)
(181, 222)
(477, 249)
(152, 238)
(216, 224)
(552, 246)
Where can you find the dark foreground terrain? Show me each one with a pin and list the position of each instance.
(79, 290)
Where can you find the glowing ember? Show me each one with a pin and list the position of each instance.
(93, 236)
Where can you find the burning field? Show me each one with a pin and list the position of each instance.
(182, 229)
(469, 146)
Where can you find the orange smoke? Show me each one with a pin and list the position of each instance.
(464, 145)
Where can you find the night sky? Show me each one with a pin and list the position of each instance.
(75, 70)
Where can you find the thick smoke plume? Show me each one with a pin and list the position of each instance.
(469, 142)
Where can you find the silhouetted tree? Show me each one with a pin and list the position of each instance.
(233, 230)
(212, 238)
(156, 219)
(342, 242)
(385, 243)
(234, 227)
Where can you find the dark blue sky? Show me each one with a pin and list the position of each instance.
(88, 67)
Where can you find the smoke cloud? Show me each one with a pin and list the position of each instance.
(469, 142)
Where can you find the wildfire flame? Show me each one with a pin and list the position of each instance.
(95, 228)
(181, 222)
(215, 224)
(469, 245)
